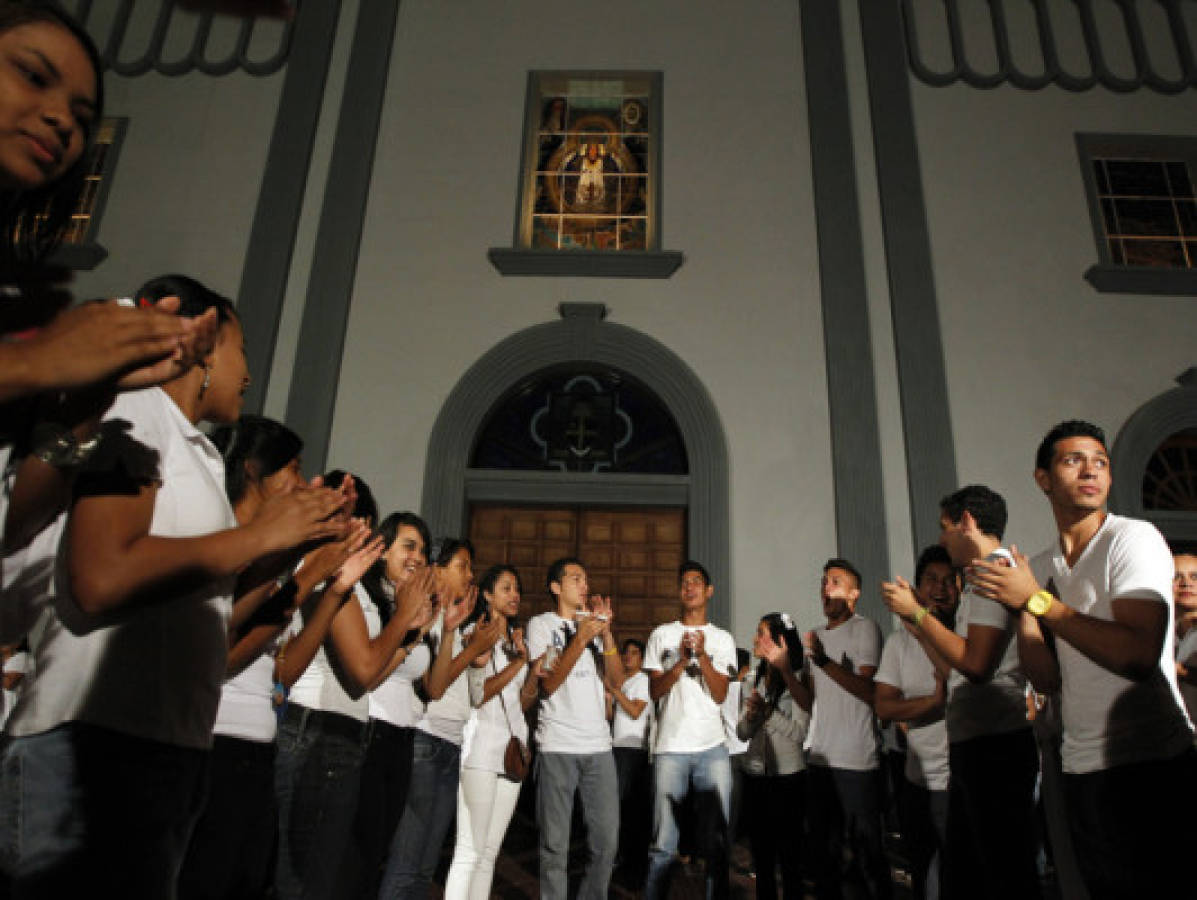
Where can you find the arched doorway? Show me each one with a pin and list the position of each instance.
(582, 338)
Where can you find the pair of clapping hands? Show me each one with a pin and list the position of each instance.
(1010, 584)
(595, 618)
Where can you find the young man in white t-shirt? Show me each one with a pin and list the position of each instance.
(843, 777)
(912, 693)
(1095, 623)
(992, 755)
(572, 733)
(689, 663)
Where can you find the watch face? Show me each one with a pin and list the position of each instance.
(1038, 605)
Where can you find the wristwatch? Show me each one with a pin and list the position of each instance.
(1039, 603)
(57, 445)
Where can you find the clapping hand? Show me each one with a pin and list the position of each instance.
(358, 564)
(899, 598)
(773, 653)
(756, 707)
(1010, 585)
(459, 609)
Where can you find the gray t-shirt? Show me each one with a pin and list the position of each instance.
(843, 734)
(999, 705)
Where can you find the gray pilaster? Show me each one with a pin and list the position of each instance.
(852, 399)
(318, 355)
(276, 219)
(922, 377)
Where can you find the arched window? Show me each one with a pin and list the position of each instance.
(590, 419)
(1155, 462)
(1170, 481)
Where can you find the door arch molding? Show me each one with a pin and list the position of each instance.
(582, 335)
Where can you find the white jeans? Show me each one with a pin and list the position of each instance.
(485, 803)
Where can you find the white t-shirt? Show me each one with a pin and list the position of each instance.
(492, 724)
(906, 666)
(996, 706)
(151, 669)
(395, 700)
(731, 717)
(245, 709)
(574, 718)
(319, 687)
(626, 731)
(688, 718)
(446, 718)
(28, 585)
(18, 662)
(1110, 720)
(842, 732)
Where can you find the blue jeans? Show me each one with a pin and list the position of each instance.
(558, 775)
(427, 815)
(316, 778)
(708, 773)
(86, 811)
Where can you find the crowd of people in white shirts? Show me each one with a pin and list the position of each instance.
(234, 682)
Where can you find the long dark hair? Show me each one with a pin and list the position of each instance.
(785, 634)
(373, 579)
(486, 585)
(35, 221)
(254, 448)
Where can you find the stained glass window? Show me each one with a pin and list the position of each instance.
(591, 161)
(581, 420)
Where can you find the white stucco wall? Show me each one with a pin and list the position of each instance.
(184, 192)
(743, 311)
(1028, 341)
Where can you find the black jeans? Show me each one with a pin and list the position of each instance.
(90, 812)
(231, 854)
(839, 799)
(924, 818)
(1133, 827)
(634, 773)
(773, 808)
(991, 818)
(316, 779)
(386, 774)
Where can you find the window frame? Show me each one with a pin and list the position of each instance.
(522, 259)
(88, 253)
(1106, 275)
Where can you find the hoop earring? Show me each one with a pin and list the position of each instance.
(207, 382)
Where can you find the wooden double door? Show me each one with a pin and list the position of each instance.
(632, 555)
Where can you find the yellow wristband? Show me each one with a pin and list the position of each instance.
(919, 616)
(610, 652)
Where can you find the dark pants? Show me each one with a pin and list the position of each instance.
(89, 812)
(386, 774)
(231, 854)
(774, 806)
(427, 815)
(316, 780)
(840, 800)
(1133, 828)
(634, 774)
(991, 818)
(924, 818)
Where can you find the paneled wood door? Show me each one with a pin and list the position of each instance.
(631, 554)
